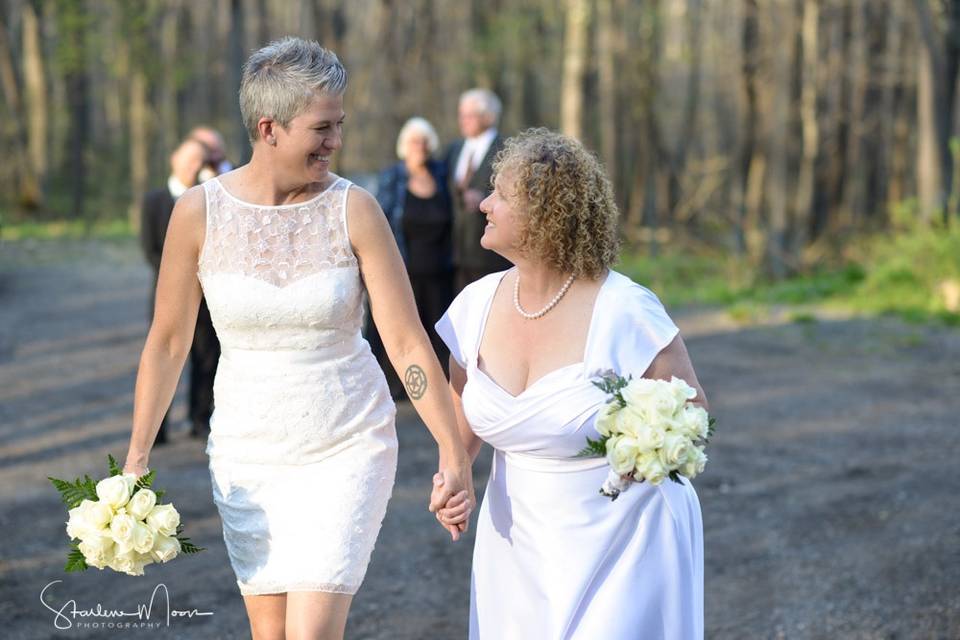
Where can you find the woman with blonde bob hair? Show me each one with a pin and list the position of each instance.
(302, 447)
(553, 558)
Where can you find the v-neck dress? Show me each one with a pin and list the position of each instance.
(554, 559)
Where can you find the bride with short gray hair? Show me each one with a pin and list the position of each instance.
(283, 250)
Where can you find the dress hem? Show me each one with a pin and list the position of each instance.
(267, 589)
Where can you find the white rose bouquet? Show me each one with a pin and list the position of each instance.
(649, 432)
(119, 523)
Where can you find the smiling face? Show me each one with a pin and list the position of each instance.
(501, 207)
(305, 147)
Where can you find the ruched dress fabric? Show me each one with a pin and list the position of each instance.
(302, 445)
(553, 559)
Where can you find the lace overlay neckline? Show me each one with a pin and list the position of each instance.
(253, 205)
(276, 244)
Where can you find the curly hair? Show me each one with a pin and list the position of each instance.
(570, 220)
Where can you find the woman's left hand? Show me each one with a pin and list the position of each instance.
(452, 498)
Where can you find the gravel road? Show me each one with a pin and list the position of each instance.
(830, 503)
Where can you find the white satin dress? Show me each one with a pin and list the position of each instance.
(554, 559)
(302, 444)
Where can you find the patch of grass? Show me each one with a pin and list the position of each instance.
(66, 229)
(911, 271)
(803, 317)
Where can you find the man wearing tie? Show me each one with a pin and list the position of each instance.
(469, 169)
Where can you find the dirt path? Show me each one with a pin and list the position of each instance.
(830, 503)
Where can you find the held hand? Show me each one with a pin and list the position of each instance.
(452, 499)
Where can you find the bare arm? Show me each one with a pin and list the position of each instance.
(404, 338)
(674, 360)
(457, 510)
(458, 378)
(171, 332)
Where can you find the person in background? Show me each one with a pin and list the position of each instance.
(469, 164)
(186, 164)
(216, 162)
(413, 195)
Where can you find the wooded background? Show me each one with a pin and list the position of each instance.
(773, 129)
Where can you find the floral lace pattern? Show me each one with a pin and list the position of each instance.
(278, 244)
(300, 403)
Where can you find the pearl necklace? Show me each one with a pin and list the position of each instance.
(550, 305)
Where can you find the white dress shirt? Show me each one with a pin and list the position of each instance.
(474, 149)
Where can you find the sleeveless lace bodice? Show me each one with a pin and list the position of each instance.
(299, 400)
(280, 277)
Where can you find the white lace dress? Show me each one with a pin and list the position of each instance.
(302, 446)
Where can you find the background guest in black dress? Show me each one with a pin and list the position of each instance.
(413, 194)
(185, 165)
(469, 168)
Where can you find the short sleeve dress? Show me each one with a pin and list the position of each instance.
(553, 558)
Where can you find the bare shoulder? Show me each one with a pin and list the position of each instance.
(189, 218)
(365, 219)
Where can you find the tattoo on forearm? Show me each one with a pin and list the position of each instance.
(416, 381)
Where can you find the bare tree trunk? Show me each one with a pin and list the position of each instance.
(854, 173)
(606, 37)
(574, 67)
(751, 161)
(935, 97)
(169, 116)
(28, 187)
(235, 61)
(803, 206)
(778, 192)
(677, 158)
(139, 134)
(34, 81)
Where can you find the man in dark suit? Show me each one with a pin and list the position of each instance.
(185, 165)
(469, 167)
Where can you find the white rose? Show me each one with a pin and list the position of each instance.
(681, 390)
(695, 422)
(639, 391)
(165, 548)
(606, 419)
(650, 467)
(130, 562)
(622, 454)
(130, 479)
(665, 403)
(99, 514)
(673, 453)
(695, 463)
(142, 538)
(98, 550)
(142, 502)
(164, 519)
(650, 437)
(121, 529)
(114, 491)
(79, 524)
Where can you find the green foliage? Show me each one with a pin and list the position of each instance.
(56, 229)
(915, 274)
(185, 545)
(911, 270)
(73, 493)
(594, 448)
(75, 559)
(115, 469)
